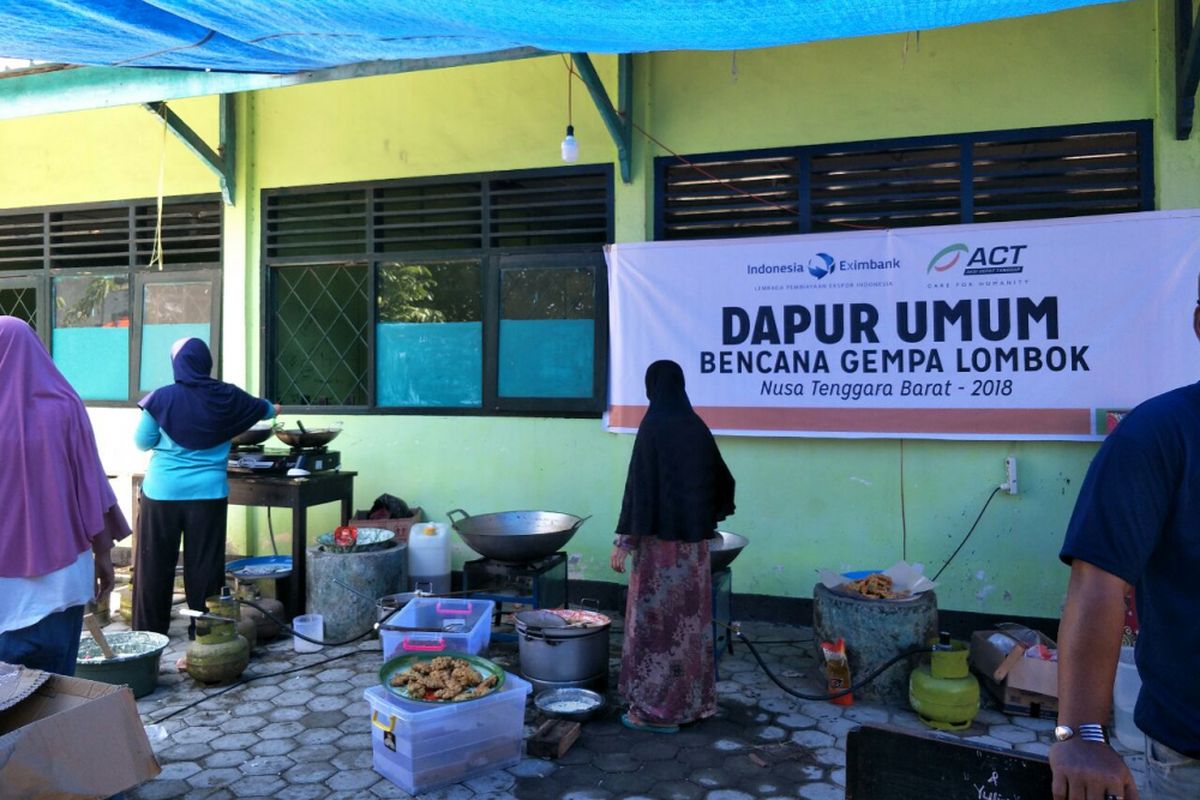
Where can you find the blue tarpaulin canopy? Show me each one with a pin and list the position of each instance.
(282, 36)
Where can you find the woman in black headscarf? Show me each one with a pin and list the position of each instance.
(188, 426)
(677, 489)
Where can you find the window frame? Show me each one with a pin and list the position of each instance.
(1142, 128)
(42, 278)
(490, 257)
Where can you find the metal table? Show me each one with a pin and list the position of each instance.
(297, 494)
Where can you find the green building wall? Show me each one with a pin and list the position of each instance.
(804, 503)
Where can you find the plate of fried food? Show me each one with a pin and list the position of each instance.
(873, 585)
(441, 678)
(899, 583)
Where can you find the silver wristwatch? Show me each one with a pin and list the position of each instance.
(1088, 732)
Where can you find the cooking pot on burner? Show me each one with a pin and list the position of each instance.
(563, 646)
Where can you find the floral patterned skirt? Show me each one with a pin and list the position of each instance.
(667, 673)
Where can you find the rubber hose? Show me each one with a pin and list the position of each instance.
(872, 675)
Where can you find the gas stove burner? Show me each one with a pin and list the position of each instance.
(275, 462)
(246, 448)
(310, 451)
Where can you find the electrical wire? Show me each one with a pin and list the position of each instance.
(242, 681)
(283, 624)
(968, 536)
(861, 682)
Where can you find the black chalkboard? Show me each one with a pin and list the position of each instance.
(887, 763)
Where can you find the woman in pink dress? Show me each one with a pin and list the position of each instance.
(677, 489)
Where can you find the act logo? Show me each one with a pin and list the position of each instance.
(823, 267)
(947, 257)
(994, 260)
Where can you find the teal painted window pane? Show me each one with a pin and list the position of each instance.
(156, 368)
(170, 312)
(429, 364)
(546, 358)
(547, 332)
(429, 338)
(94, 360)
(90, 342)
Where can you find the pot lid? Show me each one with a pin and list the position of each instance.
(540, 618)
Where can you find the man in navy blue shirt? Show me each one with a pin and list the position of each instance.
(1136, 525)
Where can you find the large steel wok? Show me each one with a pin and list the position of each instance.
(256, 434)
(725, 548)
(307, 437)
(516, 537)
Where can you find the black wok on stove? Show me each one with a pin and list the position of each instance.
(308, 437)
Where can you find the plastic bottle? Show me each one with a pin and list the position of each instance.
(837, 671)
(429, 556)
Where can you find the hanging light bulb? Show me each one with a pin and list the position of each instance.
(570, 147)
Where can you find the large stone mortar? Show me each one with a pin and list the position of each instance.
(369, 576)
(875, 631)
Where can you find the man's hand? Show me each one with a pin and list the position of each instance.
(1085, 770)
(618, 559)
(104, 574)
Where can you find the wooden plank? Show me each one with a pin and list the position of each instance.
(553, 738)
(887, 763)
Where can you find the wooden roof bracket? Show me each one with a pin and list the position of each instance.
(619, 121)
(221, 161)
(1187, 67)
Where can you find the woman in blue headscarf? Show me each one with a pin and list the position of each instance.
(188, 427)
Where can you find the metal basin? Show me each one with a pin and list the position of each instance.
(255, 435)
(135, 664)
(516, 537)
(723, 550)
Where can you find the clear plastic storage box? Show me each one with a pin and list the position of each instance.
(421, 746)
(440, 624)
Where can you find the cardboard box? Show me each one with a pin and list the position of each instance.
(69, 739)
(400, 525)
(1021, 685)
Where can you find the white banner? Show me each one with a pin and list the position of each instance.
(1028, 330)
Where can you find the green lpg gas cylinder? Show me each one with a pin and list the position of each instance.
(219, 653)
(943, 692)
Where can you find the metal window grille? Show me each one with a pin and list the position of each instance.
(315, 237)
(107, 241)
(980, 177)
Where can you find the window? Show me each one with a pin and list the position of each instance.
(938, 180)
(469, 294)
(82, 277)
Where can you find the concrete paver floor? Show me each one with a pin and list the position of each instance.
(307, 735)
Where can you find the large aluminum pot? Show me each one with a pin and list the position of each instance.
(517, 537)
(559, 646)
(725, 548)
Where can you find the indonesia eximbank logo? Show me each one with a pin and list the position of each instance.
(821, 265)
(947, 257)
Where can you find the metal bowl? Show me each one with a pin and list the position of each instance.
(516, 537)
(256, 434)
(575, 704)
(309, 437)
(723, 550)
